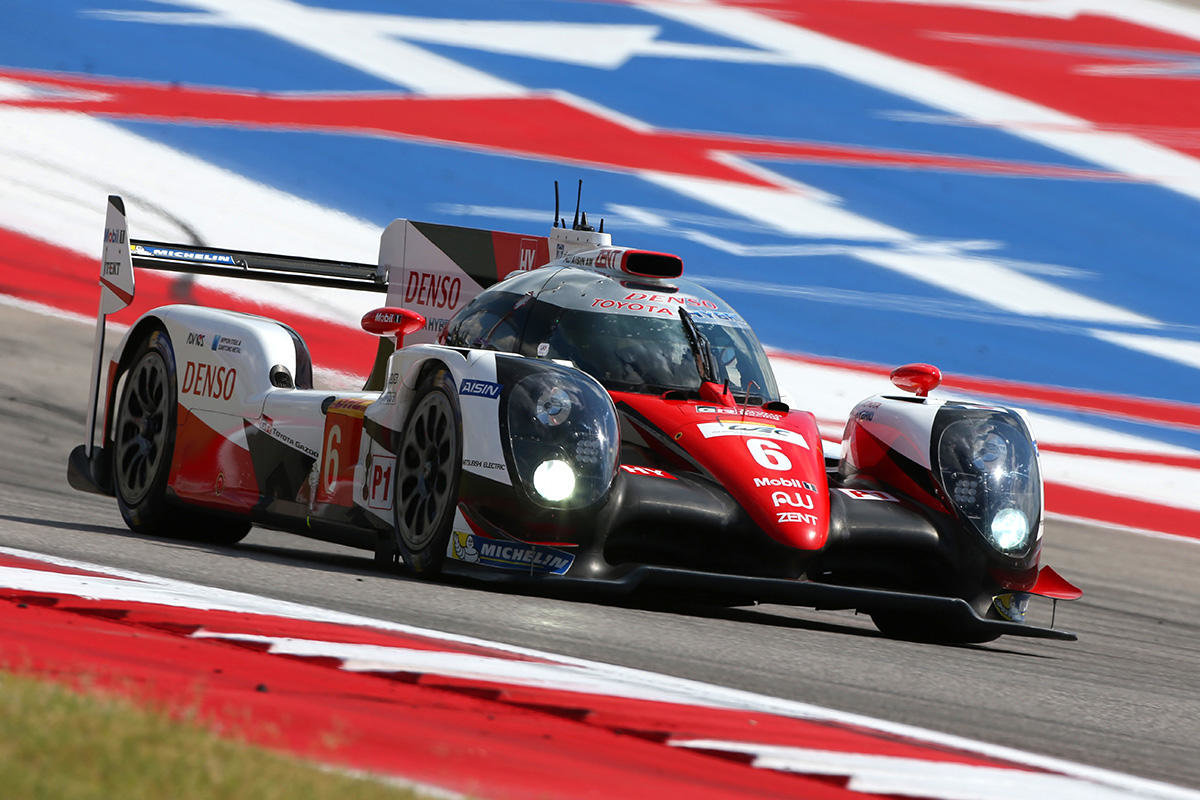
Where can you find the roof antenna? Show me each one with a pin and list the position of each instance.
(555, 225)
(601, 225)
(578, 198)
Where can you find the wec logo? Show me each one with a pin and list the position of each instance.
(762, 430)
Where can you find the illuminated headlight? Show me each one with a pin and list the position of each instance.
(554, 480)
(562, 434)
(553, 406)
(988, 467)
(1009, 529)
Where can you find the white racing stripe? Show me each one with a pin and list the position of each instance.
(842, 389)
(1173, 18)
(380, 658)
(994, 284)
(1121, 475)
(794, 209)
(911, 777)
(343, 38)
(1180, 351)
(801, 211)
(1155, 483)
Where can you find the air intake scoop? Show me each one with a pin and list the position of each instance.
(644, 264)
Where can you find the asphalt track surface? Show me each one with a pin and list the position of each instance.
(1123, 697)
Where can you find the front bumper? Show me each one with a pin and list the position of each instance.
(822, 596)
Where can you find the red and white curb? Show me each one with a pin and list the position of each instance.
(478, 717)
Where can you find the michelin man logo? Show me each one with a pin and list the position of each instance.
(464, 547)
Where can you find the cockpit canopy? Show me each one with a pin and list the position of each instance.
(627, 335)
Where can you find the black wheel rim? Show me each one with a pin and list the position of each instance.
(425, 471)
(141, 428)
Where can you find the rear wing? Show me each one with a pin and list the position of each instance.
(432, 269)
(257, 266)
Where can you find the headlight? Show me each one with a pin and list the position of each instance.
(989, 469)
(554, 480)
(563, 434)
(1009, 529)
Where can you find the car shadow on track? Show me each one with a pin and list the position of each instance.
(754, 616)
(116, 530)
(746, 613)
(341, 562)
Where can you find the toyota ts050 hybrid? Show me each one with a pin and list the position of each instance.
(586, 416)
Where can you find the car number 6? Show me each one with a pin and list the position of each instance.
(769, 454)
(332, 442)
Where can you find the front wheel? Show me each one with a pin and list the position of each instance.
(143, 445)
(428, 465)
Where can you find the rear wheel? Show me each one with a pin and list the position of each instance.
(143, 444)
(428, 465)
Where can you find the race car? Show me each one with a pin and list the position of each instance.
(586, 418)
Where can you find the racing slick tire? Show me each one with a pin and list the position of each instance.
(428, 466)
(927, 628)
(143, 444)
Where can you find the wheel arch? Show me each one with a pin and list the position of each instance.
(143, 328)
(431, 501)
(407, 368)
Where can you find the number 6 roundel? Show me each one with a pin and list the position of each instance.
(769, 454)
(339, 452)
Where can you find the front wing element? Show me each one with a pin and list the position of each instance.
(821, 596)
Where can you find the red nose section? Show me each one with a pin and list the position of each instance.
(770, 462)
(388, 321)
(919, 379)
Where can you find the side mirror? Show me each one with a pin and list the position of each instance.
(394, 322)
(919, 379)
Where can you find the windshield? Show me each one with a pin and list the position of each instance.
(640, 353)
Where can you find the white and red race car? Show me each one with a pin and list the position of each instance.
(588, 418)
